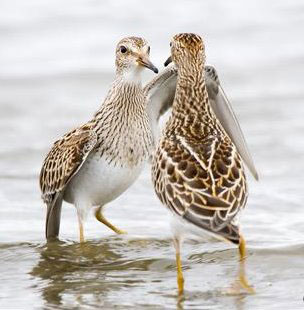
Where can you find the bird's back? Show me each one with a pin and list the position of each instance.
(198, 173)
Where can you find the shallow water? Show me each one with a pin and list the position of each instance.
(56, 64)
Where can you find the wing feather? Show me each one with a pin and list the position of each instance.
(191, 177)
(225, 114)
(62, 162)
(160, 94)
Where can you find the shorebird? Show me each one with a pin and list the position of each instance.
(96, 162)
(198, 166)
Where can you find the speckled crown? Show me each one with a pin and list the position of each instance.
(189, 40)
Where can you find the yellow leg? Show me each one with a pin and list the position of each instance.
(99, 216)
(242, 274)
(180, 277)
(242, 248)
(81, 235)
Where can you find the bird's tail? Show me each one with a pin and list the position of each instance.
(53, 215)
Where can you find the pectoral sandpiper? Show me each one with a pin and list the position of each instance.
(197, 169)
(93, 164)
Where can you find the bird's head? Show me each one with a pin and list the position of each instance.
(186, 48)
(132, 56)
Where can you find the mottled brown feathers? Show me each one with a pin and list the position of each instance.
(135, 41)
(197, 171)
(64, 160)
(189, 40)
(196, 188)
(124, 122)
(115, 143)
(121, 122)
(187, 49)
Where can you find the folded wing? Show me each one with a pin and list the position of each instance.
(63, 161)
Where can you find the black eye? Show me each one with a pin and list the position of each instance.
(123, 49)
(148, 49)
(170, 44)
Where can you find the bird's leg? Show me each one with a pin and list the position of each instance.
(99, 216)
(242, 274)
(180, 277)
(80, 222)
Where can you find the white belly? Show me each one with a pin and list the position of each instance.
(98, 182)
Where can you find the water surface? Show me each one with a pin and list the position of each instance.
(56, 64)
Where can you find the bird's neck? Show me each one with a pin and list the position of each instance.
(191, 103)
(122, 123)
(125, 101)
(131, 75)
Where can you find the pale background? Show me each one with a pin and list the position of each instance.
(56, 64)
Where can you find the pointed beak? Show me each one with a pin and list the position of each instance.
(145, 62)
(169, 60)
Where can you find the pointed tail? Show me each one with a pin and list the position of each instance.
(53, 215)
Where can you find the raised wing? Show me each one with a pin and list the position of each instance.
(225, 114)
(63, 161)
(160, 95)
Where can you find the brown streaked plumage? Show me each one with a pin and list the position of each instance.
(65, 159)
(197, 170)
(95, 163)
(160, 96)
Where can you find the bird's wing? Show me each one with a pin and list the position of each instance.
(225, 114)
(62, 162)
(160, 94)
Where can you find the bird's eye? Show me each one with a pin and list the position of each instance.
(123, 49)
(170, 44)
(148, 49)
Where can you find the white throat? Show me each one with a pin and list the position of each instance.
(132, 75)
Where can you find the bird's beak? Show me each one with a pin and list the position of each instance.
(145, 62)
(168, 61)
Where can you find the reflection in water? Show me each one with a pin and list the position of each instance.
(90, 271)
(76, 268)
(107, 272)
